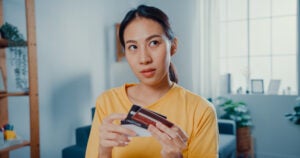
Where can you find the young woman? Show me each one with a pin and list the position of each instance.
(149, 43)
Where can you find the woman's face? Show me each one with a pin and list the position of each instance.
(148, 51)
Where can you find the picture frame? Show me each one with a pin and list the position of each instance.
(274, 86)
(119, 50)
(2, 84)
(257, 86)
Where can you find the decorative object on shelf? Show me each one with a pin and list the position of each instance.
(2, 85)
(12, 34)
(8, 137)
(225, 81)
(274, 86)
(9, 132)
(18, 59)
(239, 112)
(239, 90)
(257, 86)
(295, 116)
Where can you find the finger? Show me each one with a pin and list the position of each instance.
(113, 117)
(115, 137)
(166, 129)
(111, 143)
(159, 134)
(180, 132)
(180, 143)
(177, 135)
(120, 129)
(174, 132)
(166, 139)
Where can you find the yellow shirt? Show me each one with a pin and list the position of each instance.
(187, 110)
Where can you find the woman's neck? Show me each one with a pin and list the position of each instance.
(143, 94)
(145, 88)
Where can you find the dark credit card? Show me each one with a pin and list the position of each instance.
(143, 117)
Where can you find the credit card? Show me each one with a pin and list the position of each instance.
(142, 118)
(148, 117)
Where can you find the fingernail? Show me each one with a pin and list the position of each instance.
(158, 124)
(150, 128)
(133, 134)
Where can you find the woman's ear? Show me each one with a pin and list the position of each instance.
(174, 46)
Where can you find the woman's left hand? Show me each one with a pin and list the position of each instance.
(173, 140)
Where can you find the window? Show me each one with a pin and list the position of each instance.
(258, 40)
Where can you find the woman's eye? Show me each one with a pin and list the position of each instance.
(132, 47)
(154, 43)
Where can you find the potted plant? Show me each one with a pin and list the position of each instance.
(18, 58)
(295, 116)
(239, 112)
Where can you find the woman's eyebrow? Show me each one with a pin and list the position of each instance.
(130, 41)
(147, 39)
(152, 36)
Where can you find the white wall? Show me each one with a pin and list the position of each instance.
(75, 42)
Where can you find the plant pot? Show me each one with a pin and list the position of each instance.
(243, 139)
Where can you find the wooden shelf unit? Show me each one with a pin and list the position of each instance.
(32, 94)
(16, 146)
(5, 43)
(14, 94)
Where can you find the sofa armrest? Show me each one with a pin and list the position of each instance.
(227, 126)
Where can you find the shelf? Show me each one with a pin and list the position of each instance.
(14, 94)
(5, 43)
(15, 146)
(32, 96)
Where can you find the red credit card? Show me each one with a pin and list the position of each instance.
(148, 117)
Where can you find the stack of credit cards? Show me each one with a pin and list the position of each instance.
(138, 119)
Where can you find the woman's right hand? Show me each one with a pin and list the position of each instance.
(113, 135)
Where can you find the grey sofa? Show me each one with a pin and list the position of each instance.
(227, 141)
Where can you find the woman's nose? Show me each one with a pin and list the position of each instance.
(145, 57)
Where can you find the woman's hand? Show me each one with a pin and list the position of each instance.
(113, 135)
(173, 140)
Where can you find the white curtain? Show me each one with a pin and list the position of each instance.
(205, 60)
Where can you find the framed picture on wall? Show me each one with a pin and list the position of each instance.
(2, 85)
(257, 86)
(274, 86)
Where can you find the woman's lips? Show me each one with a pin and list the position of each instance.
(148, 72)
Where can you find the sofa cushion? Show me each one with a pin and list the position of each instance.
(82, 135)
(227, 145)
(73, 152)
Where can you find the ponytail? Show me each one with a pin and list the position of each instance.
(172, 73)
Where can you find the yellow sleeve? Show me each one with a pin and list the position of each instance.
(93, 142)
(204, 141)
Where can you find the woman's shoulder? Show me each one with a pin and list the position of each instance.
(188, 93)
(193, 98)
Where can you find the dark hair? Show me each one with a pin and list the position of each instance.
(153, 14)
